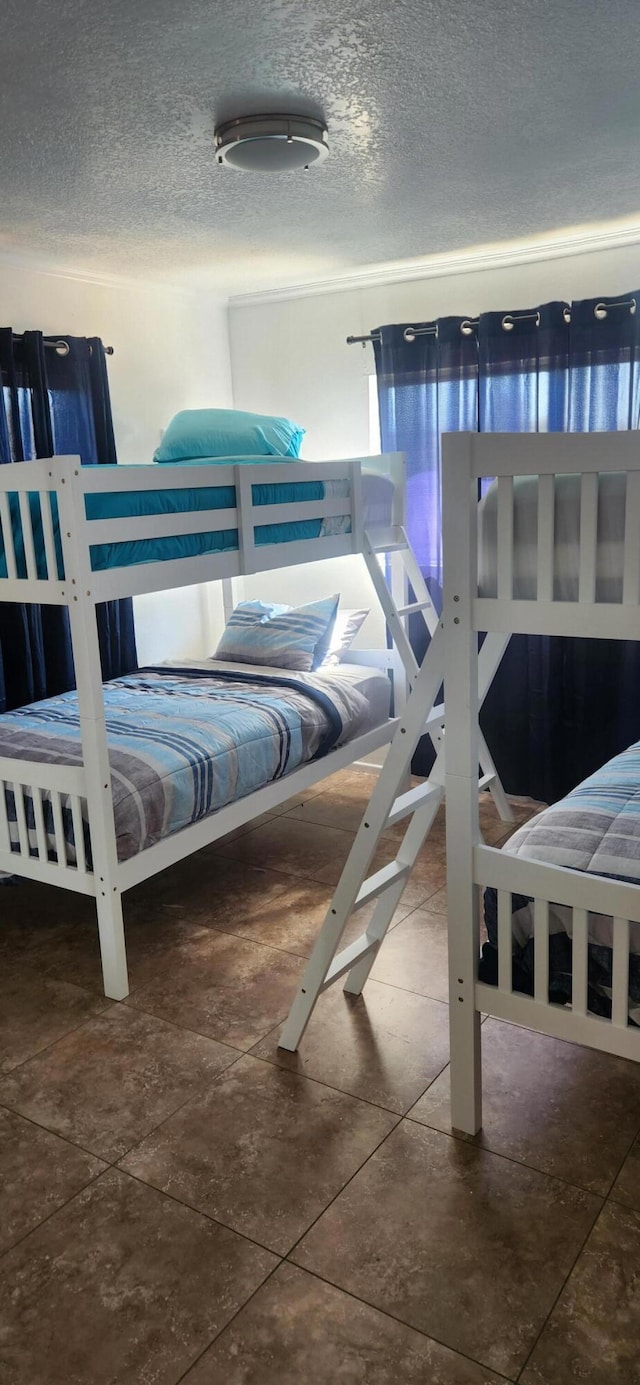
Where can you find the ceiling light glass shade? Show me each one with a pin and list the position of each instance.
(271, 143)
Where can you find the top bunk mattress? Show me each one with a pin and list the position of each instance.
(187, 740)
(610, 538)
(377, 496)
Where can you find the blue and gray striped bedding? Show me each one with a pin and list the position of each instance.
(124, 504)
(186, 741)
(595, 829)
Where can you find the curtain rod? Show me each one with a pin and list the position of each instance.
(58, 344)
(508, 322)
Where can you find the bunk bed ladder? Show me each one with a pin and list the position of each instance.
(388, 805)
(393, 800)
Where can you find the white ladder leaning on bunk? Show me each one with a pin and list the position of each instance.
(391, 801)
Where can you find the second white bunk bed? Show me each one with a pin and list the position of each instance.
(553, 549)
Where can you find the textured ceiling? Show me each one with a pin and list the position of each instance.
(452, 123)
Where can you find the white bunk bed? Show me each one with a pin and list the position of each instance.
(54, 552)
(556, 552)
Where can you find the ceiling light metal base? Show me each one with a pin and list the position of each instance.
(271, 143)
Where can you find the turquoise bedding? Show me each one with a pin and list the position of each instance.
(123, 504)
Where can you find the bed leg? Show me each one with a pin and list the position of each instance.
(112, 949)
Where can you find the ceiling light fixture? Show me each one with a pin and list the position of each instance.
(271, 143)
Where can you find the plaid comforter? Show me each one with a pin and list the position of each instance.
(184, 742)
(595, 829)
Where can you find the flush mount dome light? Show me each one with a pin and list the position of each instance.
(271, 143)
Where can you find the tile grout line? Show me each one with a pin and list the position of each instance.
(561, 1291)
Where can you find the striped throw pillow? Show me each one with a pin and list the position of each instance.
(297, 638)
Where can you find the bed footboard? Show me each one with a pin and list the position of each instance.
(42, 823)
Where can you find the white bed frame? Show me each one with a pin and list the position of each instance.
(471, 866)
(82, 590)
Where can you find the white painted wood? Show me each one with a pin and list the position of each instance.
(78, 833)
(65, 778)
(27, 536)
(505, 538)
(21, 818)
(7, 536)
(546, 531)
(505, 941)
(620, 973)
(541, 958)
(600, 621)
(559, 1022)
(48, 535)
(459, 527)
(580, 960)
(5, 840)
(588, 538)
(540, 454)
(58, 830)
(163, 476)
(38, 814)
(137, 527)
(558, 884)
(631, 571)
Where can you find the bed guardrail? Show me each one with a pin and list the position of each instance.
(588, 606)
(45, 532)
(42, 812)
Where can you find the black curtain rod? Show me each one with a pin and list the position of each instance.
(58, 344)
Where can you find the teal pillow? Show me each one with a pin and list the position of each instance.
(295, 638)
(227, 433)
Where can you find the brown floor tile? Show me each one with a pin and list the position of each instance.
(414, 955)
(296, 1320)
(384, 1046)
(114, 1079)
(293, 921)
(627, 1185)
(38, 1173)
(593, 1334)
(264, 1151)
(341, 805)
(121, 1286)
(438, 902)
(428, 875)
(210, 891)
(568, 1111)
(295, 848)
(228, 988)
(36, 1010)
(468, 1247)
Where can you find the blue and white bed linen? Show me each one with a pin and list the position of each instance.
(188, 740)
(595, 829)
(125, 504)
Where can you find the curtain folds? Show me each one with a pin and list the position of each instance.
(558, 708)
(52, 403)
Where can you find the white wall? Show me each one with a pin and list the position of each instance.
(290, 357)
(171, 351)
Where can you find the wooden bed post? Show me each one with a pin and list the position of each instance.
(86, 657)
(459, 525)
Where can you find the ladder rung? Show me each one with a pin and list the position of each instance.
(346, 959)
(486, 780)
(379, 882)
(414, 608)
(411, 800)
(435, 717)
(396, 547)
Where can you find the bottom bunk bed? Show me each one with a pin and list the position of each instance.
(595, 829)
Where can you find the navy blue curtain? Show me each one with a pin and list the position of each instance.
(55, 403)
(558, 707)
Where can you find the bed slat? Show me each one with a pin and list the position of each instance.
(58, 828)
(5, 839)
(588, 536)
(49, 540)
(27, 536)
(631, 570)
(620, 984)
(541, 954)
(505, 538)
(579, 958)
(505, 942)
(78, 834)
(546, 504)
(23, 830)
(7, 537)
(38, 813)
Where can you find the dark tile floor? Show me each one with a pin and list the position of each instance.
(182, 1201)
